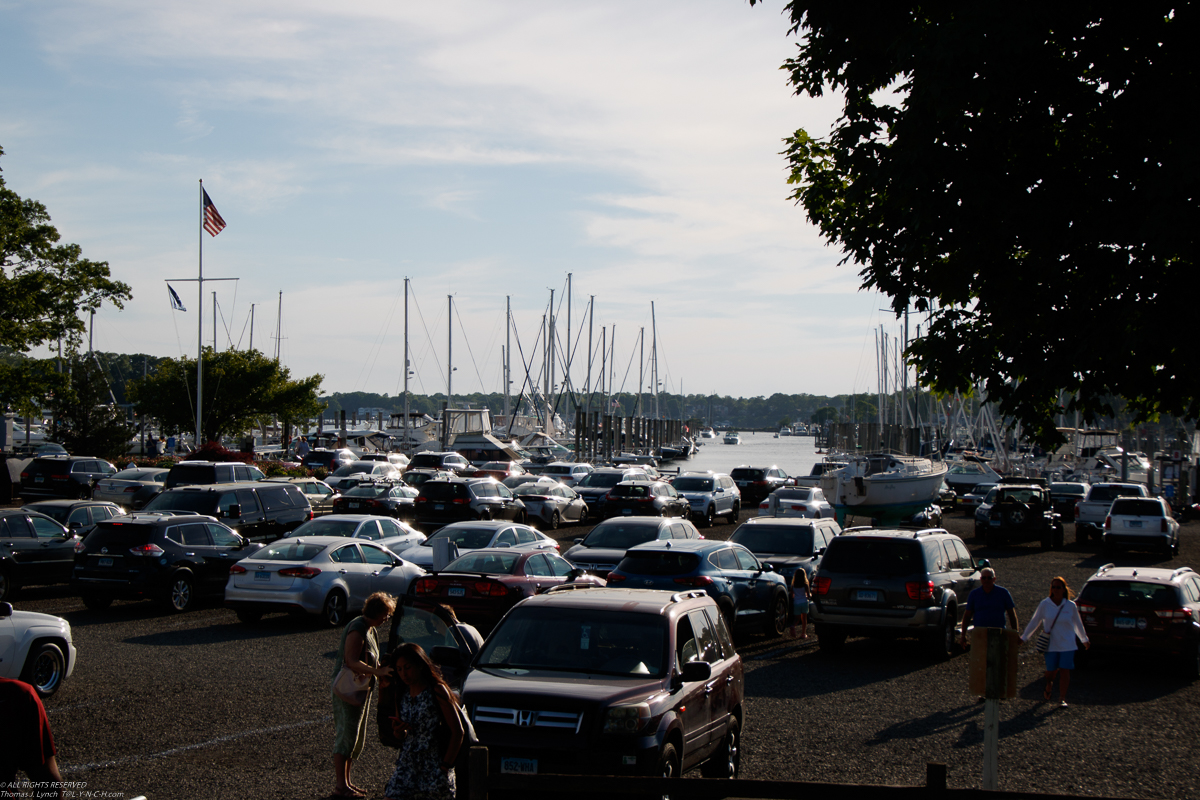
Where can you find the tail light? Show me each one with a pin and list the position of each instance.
(24, 475)
(1108, 523)
(491, 589)
(1173, 613)
(615, 577)
(799, 508)
(460, 501)
(310, 514)
(78, 546)
(764, 504)
(1086, 608)
(130, 489)
(236, 569)
(421, 499)
(697, 580)
(610, 496)
(1077, 511)
(1163, 525)
(146, 550)
(821, 585)
(918, 590)
(300, 572)
(426, 586)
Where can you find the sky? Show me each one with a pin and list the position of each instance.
(483, 150)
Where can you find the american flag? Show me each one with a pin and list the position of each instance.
(212, 218)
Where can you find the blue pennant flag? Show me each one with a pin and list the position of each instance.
(176, 303)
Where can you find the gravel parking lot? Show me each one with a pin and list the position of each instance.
(200, 705)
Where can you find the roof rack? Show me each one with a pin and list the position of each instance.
(1181, 571)
(679, 597)
(570, 587)
(1105, 568)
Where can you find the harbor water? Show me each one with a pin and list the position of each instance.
(794, 454)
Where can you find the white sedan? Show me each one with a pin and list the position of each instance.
(796, 501)
(330, 576)
(35, 648)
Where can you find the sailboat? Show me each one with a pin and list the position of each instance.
(885, 487)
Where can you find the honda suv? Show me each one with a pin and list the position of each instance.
(893, 582)
(609, 682)
(172, 559)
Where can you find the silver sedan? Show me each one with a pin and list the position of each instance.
(551, 504)
(390, 533)
(796, 501)
(329, 576)
(467, 536)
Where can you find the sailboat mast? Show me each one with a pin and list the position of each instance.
(407, 443)
(449, 351)
(654, 355)
(508, 358)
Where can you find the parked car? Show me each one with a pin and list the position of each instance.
(350, 475)
(1064, 495)
(416, 477)
(327, 459)
(787, 543)
(390, 499)
(755, 483)
(35, 648)
(970, 501)
(483, 585)
(1092, 510)
(1141, 523)
(645, 498)
(750, 594)
(603, 548)
(171, 559)
(947, 497)
(468, 536)
(79, 516)
(398, 460)
(130, 488)
(448, 461)
(63, 476)
(499, 470)
(261, 511)
(610, 682)
(551, 504)
(385, 531)
(596, 484)
(1021, 512)
(318, 493)
(1144, 610)
(203, 473)
(710, 495)
(327, 576)
(796, 501)
(447, 500)
(568, 473)
(893, 582)
(34, 550)
(983, 512)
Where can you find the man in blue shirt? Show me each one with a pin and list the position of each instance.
(989, 605)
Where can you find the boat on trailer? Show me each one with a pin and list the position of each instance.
(885, 487)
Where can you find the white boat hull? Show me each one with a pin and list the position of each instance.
(893, 494)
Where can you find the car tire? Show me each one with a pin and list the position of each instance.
(45, 669)
(710, 517)
(737, 510)
(830, 638)
(555, 521)
(941, 641)
(668, 763)
(181, 593)
(779, 620)
(726, 762)
(335, 610)
(97, 602)
(249, 615)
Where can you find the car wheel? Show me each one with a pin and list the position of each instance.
(737, 510)
(334, 611)
(97, 602)
(249, 615)
(668, 765)
(555, 521)
(726, 762)
(941, 641)
(710, 517)
(830, 638)
(779, 621)
(44, 669)
(181, 594)
(6, 586)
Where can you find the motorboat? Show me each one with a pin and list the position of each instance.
(885, 487)
(733, 437)
(707, 433)
(966, 473)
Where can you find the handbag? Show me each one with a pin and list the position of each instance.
(1042, 644)
(443, 729)
(351, 687)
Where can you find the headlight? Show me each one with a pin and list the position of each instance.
(626, 719)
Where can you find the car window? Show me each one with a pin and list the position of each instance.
(195, 535)
(508, 537)
(679, 530)
(275, 498)
(1193, 592)
(15, 528)
(222, 536)
(346, 555)
(717, 621)
(248, 501)
(706, 638)
(420, 627)
(375, 555)
(881, 555)
(559, 566)
(686, 646)
(745, 559)
(526, 537)
(389, 527)
(45, 528)
(537, 566)
(369, 530)
(79, 515)
(964, 555)
(724, 559)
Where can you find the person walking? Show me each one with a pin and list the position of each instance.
(359, 651)
(989, 605)
(1059, 617)
(428, 723)
(26, 743)
(800, 592)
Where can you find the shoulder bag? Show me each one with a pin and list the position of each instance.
(1043, 640)
(350, 686)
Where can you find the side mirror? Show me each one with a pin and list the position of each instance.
(6, 610)
(575, 575)
(696, 671)
(578, 540)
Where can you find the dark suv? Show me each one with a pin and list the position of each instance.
(595, 485)
(63, 476)
(755, 483)
(609, 682)
(204, 473)
(1020, 512)
(440, 502)
(645, 498)
(449, 461)
(893, 582)
(261, 511)
(172, 559)
(34, 549)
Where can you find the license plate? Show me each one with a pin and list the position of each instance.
(627, 511)
(262, 575)
(1133, 523)
(518, 766)
(1124, 622)
(457, 591)
(866, 595)
(438, 506)
(38, 478)
(352, 505)
(104, 562)
(996, 523)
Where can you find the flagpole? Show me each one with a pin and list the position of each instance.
(200, 324)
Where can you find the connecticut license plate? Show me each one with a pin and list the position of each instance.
(262, 575)
(866, 595)
(457, 591)
(1124, 622)
(104, 562)
(1133, 523)
(518, 766)
(626, 510)
(352, 504)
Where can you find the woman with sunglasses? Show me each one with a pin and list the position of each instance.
(1059, 617)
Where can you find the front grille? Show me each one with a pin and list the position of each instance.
(524, 718)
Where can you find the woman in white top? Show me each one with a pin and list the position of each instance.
(1059, 617)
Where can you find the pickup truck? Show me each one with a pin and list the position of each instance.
(1091, 511)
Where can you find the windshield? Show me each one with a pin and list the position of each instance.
(327, 526)
(1130, 594)
(464, 538)
(1134, 507)
(292, 551)
(791, 540)
(620, 535)
(533, 488)
(1106, 494)
(578, 640)
(658, 562)
(489, 563)
(873, 556)
(693, 484)
(366, 491)
(601, 480)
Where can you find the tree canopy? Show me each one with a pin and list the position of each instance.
(86, 421)
(241, 389)
(1021, 174)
